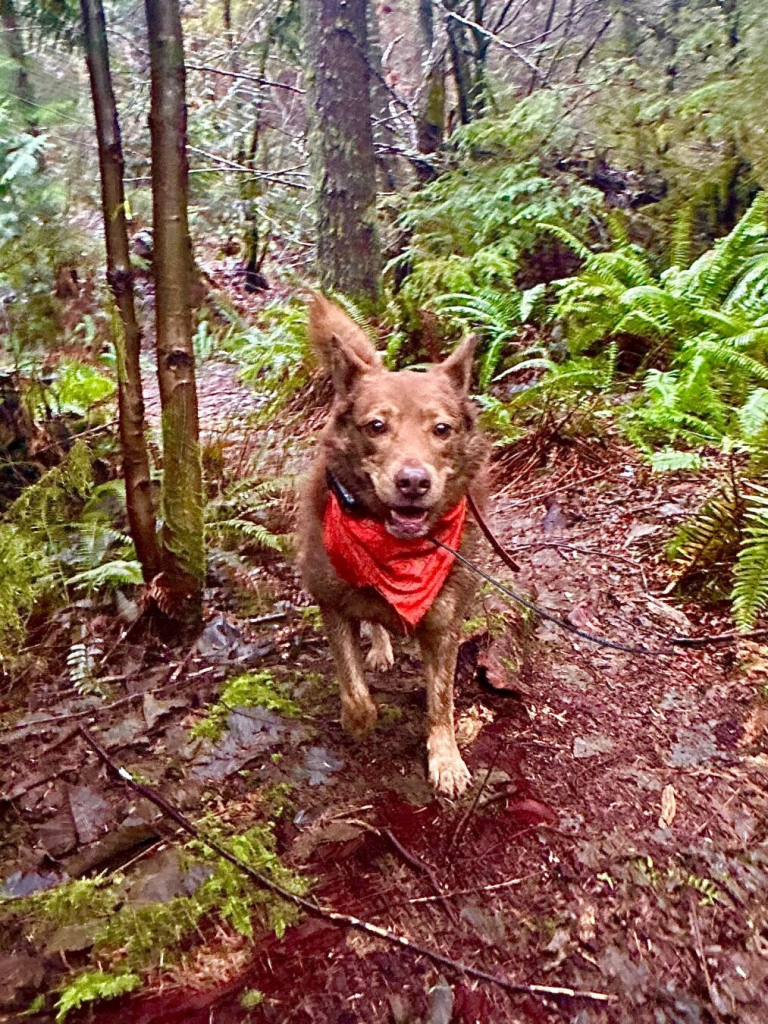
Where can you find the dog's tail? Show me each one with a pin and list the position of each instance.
(330, 326)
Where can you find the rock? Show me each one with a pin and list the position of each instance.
(165, 877)
(18, 884)
(591, 746)
(319, 765)
(487, 926)
(440, 1009)
(57, 835)
(251, 732)
(19, 973)
(91, 813)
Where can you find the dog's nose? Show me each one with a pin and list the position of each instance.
(413, 481)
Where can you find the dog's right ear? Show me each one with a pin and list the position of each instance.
(342, 347)
(346, 366)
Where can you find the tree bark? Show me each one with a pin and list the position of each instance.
(430, 125)
(341, 147)
(183, 549)
(138, 484)
(462, 73)
(383, 135)
(14, 42)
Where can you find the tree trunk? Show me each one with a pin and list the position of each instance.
(14, 42)
(430, 125)
(341, 147)
(383, 135)
(182, 537)
(462, 74)
(138, 485)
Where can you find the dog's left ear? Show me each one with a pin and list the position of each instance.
(458, 366)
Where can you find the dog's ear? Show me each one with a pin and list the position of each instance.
(458, 366)
(345, 365)
(341, 346)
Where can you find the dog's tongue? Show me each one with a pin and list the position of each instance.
(408, 523)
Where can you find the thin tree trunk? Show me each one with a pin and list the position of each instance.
(430, 126)
(14, 41)
(182, 536)
(138, 484)
(462, 75)
(480, 90)
(341, 147)
(545, 35)
(383, 135)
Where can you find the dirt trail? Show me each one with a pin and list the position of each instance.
(618, 845)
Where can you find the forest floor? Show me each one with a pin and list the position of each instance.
(613, 842)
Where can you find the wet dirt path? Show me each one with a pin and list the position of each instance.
(618, 842)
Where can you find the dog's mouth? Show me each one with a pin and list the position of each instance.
(408, 521)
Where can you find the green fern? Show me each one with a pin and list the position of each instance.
(750, 588)
(711, 536)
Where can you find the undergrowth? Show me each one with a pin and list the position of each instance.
(131, 939)
(247, 690)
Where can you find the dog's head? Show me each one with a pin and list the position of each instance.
(405, 443)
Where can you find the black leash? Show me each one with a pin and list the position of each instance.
(562, 623)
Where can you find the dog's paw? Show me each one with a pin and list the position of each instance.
(380, 658)
(447, 771)
(358, 718)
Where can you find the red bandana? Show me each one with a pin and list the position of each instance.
(408, 573)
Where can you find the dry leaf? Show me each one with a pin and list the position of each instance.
(586, 926)
(470, 722)
(668, 807)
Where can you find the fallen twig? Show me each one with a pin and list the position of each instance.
(418, 865)
(342, 920)
(464, 821)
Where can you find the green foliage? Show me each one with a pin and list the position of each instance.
(240, 513)
(131, 937)
(273, 356)
(476, 226)
(750, 586)
(248, 690)
(93, 985)
(79, 387)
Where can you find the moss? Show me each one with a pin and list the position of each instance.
(389, 714)
(93, 985)
(251, 998)
(130, 938)
(248, 690)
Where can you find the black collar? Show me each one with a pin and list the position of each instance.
(348, 501)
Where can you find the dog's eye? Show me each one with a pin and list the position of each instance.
(376, 427)
(442, 429)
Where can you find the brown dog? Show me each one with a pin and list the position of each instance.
(398, 456)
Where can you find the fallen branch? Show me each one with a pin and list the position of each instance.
(342, 920)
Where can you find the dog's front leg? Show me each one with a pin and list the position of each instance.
(447, 771)
(358, 711)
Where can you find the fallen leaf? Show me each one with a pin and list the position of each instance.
(470, 722)
(668, 806)
(586, 925)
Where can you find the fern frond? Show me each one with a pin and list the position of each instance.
(118, 573)
(254, 532)
(750, 587)
(710, 535)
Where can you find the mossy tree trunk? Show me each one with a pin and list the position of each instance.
(127, 338)
(341, 147)
(183, 550)
(462, 72)
(430, 124)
